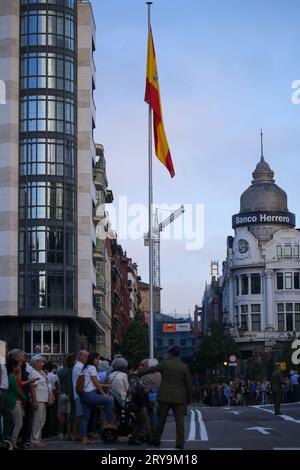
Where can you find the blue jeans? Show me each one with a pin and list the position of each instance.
(152, 412)
(88, 401)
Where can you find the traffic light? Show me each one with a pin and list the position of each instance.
(225, 363)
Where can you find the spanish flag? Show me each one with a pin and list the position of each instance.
(152, 97)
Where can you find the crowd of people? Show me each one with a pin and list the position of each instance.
(75, 400)
(246, 392)
(87, 395)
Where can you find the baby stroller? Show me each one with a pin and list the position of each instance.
(125, 416)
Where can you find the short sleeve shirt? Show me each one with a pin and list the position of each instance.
(89, 372)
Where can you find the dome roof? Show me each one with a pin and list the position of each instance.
(263, 194)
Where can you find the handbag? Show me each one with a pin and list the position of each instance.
(51, 399)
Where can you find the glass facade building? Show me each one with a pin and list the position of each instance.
(48, 278)
(47, 164)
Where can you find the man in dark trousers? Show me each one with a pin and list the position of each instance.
(175, 392)
(276, 385)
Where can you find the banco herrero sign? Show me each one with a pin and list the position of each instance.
(264, 218)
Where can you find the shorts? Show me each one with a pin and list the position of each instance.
(64, 405)
(78, 407)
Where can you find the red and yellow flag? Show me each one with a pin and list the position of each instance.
(152, 97)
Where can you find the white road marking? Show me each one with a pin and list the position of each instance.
(225, 448)
(192, 433)
(285, 417)
(286, 448)
(203, 431)
(234, 412)
(260, 429)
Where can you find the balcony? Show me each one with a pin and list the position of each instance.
(100, 288)
(100, 179)
(99, 250)
(101, 318)
(100, 325)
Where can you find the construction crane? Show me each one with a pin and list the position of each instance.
(157, 229)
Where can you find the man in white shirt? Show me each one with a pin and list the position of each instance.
(82, 357)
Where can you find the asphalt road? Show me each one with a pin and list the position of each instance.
(218, 428)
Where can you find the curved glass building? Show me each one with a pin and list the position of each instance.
(50, 161)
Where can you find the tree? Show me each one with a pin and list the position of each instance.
(215, 348)
(135, 347)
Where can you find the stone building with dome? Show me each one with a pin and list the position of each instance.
(261, 273)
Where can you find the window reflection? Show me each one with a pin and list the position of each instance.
(36, 153)
(51, 28)
(66, 3)
(45, 338)
(51, 113)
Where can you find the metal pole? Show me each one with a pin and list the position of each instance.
(151, 336)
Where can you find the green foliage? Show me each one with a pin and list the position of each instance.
(136, 346)
(217, 379)
(215, 348)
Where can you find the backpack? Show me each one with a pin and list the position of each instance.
(80, 384)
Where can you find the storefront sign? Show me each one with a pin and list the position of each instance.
(264, 218)
(176, 327)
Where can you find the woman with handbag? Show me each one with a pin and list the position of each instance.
(40, 399)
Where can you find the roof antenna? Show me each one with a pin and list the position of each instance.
(262, 146)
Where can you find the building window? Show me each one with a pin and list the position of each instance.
(182, 342)
(45, 338)
(288, 250)
(244, 308)
(288, 277)
(171, 342)
(255, 321)
(296, 280)
(47, 113)
(288, 316)
(54, 291)
(49, 200)
(237, 281)
(47, 157)
(297, 317)
(67, 3)
(280, 322)
(280, 281)
(52, 71)
(255, 284)
(255, 317)
(279, 251)
(47, 28)
(244, 322)
(245, 284)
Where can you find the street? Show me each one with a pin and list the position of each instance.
(218, 428)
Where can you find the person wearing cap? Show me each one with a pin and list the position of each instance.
(276, 385)
(40, 397)
(175, 392)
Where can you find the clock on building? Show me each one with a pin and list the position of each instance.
(243, 246)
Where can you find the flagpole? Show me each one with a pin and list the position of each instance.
(151, 322)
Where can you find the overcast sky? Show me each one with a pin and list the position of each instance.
(226, 69)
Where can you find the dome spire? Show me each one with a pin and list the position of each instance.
(262, 172)
(261, 146)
